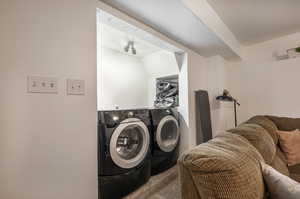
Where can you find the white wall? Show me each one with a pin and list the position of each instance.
(264, 52)
(122, 81)
(209, 74)
(48, 142)
(264, 85)
(222, 113)
(158, 64)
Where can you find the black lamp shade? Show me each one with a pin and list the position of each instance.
(225, 98)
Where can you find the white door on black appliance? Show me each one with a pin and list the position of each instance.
(129, 143)
(167, 134)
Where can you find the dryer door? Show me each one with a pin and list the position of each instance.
(129, 143)
(167, 134)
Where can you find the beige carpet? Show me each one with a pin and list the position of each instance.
(162, 186)
(171, 191)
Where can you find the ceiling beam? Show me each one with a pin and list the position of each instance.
(208, 16)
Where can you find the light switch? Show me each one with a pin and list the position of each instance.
(75, 87)
(37, 84)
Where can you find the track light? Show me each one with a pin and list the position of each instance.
(130, 45)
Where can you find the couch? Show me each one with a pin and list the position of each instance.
(228, 166)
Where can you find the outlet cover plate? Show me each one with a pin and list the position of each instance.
(36, 84)
(75, 87)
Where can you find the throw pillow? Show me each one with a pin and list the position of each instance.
(279, 185)
(290, 144)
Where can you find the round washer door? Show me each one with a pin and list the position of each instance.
(167, 134)
(129, 143)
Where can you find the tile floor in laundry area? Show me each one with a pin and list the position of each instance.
(162, 186)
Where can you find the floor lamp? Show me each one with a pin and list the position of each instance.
(226, 97)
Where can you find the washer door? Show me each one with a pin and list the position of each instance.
(129, 143)
(167, 134)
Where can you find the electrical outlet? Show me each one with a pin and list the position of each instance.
(75, 87)
(37, 84)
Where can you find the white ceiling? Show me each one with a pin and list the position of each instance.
(171, 18)
(253, 21)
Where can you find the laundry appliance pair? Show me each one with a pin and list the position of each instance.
(132, 146)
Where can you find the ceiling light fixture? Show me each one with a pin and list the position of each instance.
(130, 45)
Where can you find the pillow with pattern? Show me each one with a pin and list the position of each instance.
(279, 185)
(290, 144)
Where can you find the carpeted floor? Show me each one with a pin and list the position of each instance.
(162, 186)
(171, 191)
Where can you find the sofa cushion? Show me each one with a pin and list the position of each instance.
(267, 124)
(259, 138)
(225, 167)
(188, 187)
(295, 176)
(295, 168)
(285, 123)
(295, 172)
(281, 155)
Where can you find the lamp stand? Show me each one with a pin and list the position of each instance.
(235, 119)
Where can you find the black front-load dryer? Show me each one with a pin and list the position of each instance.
(165, 137)
(123, 152)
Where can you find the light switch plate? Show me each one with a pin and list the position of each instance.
(37, 84)
(75, 87)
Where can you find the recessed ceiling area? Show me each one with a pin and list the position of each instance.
(117, 40)
(115, 34)
(253, 21)
(174, 20)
